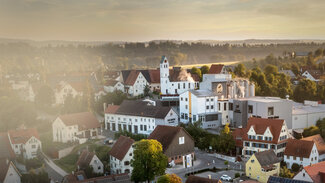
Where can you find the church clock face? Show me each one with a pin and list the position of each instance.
(219, 88)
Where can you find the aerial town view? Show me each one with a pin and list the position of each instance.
(162, 91)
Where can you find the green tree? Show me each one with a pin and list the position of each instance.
(286, 173)
(313, 130)
(197, 71)
(169, 178)
(146, 90)
(305, 90)
(204, 69)
(295, 167)
(321, 125)
(240, 70)
(148, 161)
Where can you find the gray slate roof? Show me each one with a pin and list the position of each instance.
(267, 158)
(141, 108)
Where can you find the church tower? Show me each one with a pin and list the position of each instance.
(164, 75)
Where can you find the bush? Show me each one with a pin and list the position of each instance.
(33, 163)
(237, 175)
(226, 162)
(136, 137)
(295, 167)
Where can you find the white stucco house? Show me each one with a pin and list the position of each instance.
(86, 159)
(9, 173)
(320, 144)
(25, 142)
(313, 75)
(139, 116)
(63, 89)
(113, 85)
(200, 105)
(301, 152)
(75, 127)
(176, 81)
(121, 155)
(135, 83)
(312, 173)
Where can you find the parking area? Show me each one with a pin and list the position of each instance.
(217, 175)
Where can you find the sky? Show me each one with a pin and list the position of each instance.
(144, 20)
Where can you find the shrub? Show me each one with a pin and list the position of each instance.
(237, 175)
(226, 162)
(295, 167)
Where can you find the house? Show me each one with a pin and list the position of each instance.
(241, 109)
(320, 144)
(75, 127)
(64, 89)
(112, 75)
(274, 179)
(8, 172)
(312, 173)
(306, 114)
(121, 155)
(176, 81)
(25, 142)
(217, 69)
(197, 179)
(263, 134)
(134, 82)
(113, 85)
(24, 90)
(177, 143)
(313, 75)
(6, 151)
(139, 116)
(301, 152)
(200, 105)
(89, 159)
(262, 165)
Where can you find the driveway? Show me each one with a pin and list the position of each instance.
(55, 173)
(217, 175)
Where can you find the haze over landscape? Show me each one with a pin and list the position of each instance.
(124, 20)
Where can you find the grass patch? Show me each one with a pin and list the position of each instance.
(68, 163)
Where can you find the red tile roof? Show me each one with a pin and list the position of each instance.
(215, 69)
(154, 76)
(319, 141)
(261, 124)
(315, 171)
(85, 158)
(22, 136)
(84, 120)
(121, 147)
(132, 77)
(166, 134)
(299, 148)
(111, 109)
(5, 147)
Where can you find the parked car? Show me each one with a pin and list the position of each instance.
(108, 141)
(225, 177)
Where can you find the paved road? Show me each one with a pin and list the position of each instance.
(203, 160)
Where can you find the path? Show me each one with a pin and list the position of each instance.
(55, 173)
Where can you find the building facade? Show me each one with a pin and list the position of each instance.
(301, 152)
(9, 172)
(262, 165)
(25, 142)
(90, 159)
(75, 127)
(139, 116)
(121, 155)
(200, 105)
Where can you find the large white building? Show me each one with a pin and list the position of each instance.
(64, 89)
(75, 127)
(139, 116)
(25, 142)
(121, 155)
(176, 81)
(262, 134)
(200, 105)
(261, 107)
(135, 83)
(301, 152)
(306, 114)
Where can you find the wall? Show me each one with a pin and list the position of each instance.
(254, 171)
(12, 176)
(303, 175)
(305, 161)
(97, 165)
(306, 120)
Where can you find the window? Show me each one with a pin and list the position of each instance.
(231, 106)
(211, 99)
(145, 127)
(270, 111)
(252, 161)
(247, 144)
(301, 159)
(130, 154)
(250, 109)
(207, 107)
(181, 140)
(186, 107)
(33, 146)
(179, 86)
(194, 117)
(189, 85)
(186, 99)
(141, 127)
(219, 106)
(181, 98)
(207, 100)
(184, 85)
(182, 116)
(224, 106)
(211, 107)
(294, 158)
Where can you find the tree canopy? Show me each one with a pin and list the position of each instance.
(148, 161)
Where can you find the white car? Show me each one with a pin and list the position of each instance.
(225, 177)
